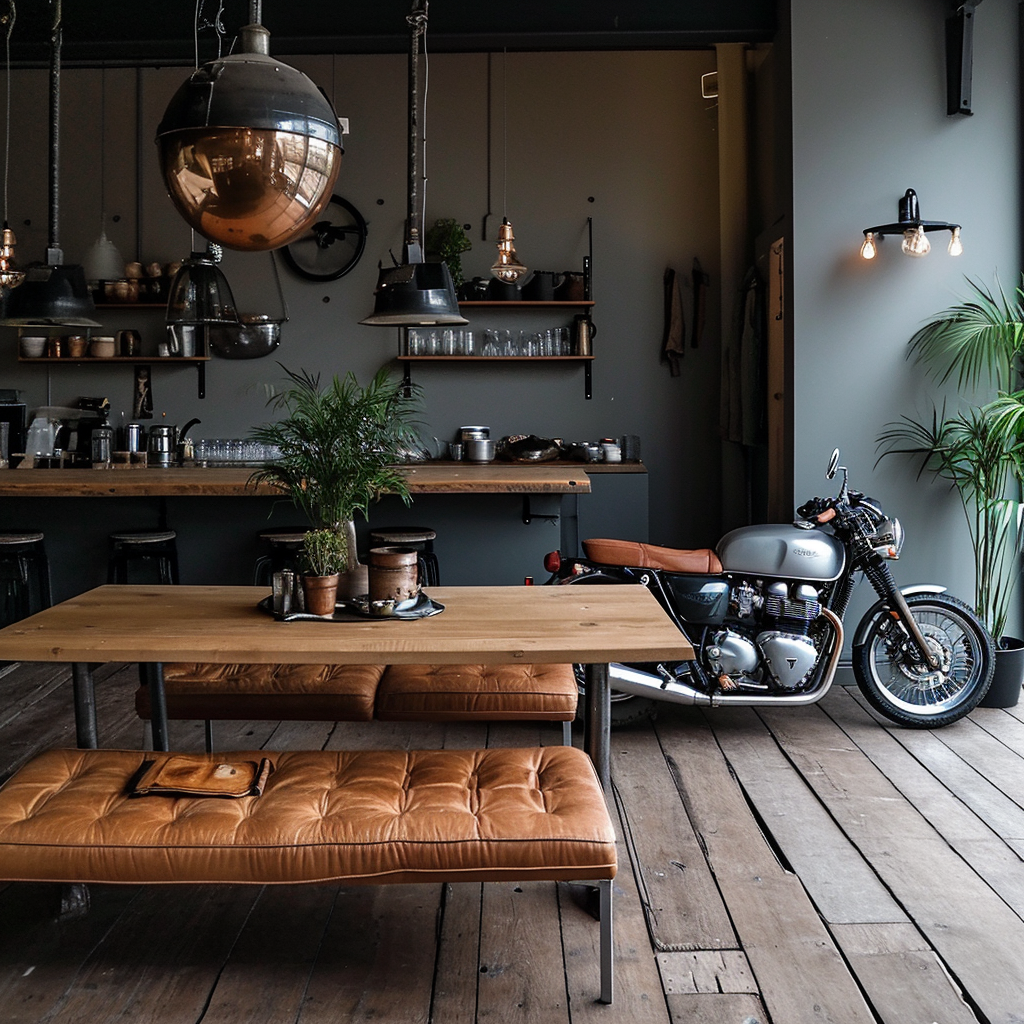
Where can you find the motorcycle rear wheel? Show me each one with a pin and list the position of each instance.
(906, 691)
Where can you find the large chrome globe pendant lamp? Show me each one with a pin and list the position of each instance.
(249, 147)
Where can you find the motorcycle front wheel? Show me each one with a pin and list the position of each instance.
(895, 681)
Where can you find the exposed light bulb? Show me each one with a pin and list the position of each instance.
(507, 267)
(915, 242)
(869, 250)
(955, 247)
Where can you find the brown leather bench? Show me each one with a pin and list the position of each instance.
(359, 693)
(356, 817)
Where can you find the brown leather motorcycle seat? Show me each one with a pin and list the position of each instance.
(367, 816)
(649, 556)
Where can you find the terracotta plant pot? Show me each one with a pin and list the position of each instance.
(321, 593)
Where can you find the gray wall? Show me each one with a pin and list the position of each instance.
(869, 121)
(628, 129)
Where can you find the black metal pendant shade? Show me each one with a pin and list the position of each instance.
(50, 296)
(415, 294)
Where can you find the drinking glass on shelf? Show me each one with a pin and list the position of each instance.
(562, 345)
(448, 342)
(490, 343)
(467, 342)
(414, 342)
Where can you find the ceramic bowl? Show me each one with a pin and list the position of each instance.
(33, 347)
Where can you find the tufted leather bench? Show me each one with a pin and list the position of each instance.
(358, 817)
(418, 693)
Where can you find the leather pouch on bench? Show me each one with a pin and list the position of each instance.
(197, 775)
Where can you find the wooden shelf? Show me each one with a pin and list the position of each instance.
(494, 359)
(99, 360)
(522, 304)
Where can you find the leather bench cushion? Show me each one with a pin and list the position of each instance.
(650, 556)
(447, 693)
(333, 693)
(354, 816)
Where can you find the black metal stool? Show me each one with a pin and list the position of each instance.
(285, 546)
(23, 568)
(421, 539)
(134, 545)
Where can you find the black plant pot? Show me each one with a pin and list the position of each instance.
(1009, 674)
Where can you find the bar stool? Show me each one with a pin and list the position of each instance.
(23, 568)
(130, 546)
(284, 545)
(421, 539)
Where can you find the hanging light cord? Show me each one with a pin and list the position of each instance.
(418, 21)
(11, 16)
(504, 135)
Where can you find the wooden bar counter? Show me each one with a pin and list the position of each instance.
(424, 478)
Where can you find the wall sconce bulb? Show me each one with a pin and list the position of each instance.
(915, 242)
(869, 250)
(956, 247)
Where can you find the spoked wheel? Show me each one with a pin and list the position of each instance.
(899, 685)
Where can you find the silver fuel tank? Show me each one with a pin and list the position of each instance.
(782, 550)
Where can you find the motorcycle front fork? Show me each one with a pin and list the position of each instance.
(880, 577)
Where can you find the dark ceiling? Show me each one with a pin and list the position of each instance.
(147, 33)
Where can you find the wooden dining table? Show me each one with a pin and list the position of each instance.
(152, 625)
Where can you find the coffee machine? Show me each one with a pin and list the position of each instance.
(77, 430)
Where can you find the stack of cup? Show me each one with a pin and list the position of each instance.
(477, 444)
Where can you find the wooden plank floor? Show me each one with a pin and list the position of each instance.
(776, 867)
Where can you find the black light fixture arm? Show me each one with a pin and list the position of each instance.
(413, 228)
(910, 217)
(54, 255)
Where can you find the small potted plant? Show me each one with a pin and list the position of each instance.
(323, 558)
(447, 240)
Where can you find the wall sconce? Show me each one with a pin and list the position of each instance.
(913, 229)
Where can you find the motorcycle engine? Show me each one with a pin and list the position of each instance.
(767, 646)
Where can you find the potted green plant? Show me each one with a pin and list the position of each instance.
(447, 240)
(339, 447)
(324, 555)
(980, 451)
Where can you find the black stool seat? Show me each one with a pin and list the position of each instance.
(128, 546)
(285, 544)
(24, 568)
(421, 538)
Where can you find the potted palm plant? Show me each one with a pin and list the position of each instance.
(980, 451)
(339, 446)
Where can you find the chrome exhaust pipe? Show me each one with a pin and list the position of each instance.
(647, 684)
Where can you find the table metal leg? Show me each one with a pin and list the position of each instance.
(85, 705)
(152, 675)
(597, 710)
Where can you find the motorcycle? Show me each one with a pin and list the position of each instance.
(764, 614)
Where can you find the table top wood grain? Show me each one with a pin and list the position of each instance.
(480, 625)
(423, 478)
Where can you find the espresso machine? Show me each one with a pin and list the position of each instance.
(77, 431)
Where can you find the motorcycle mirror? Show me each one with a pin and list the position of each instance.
(833, 464)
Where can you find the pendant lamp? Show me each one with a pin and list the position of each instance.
(250, 148)
(53, 293)
(507, 267)
(103, 261)
(10, 275)
(415, 293)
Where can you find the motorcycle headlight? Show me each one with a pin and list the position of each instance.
(887, 539)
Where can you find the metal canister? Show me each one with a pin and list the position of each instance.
(394, 574)
(133, 434)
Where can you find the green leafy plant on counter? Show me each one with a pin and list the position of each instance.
(339, 446)
(980, 449)
(324, 553)
(448, 240)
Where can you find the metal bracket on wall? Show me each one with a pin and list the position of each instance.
(529, 516)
